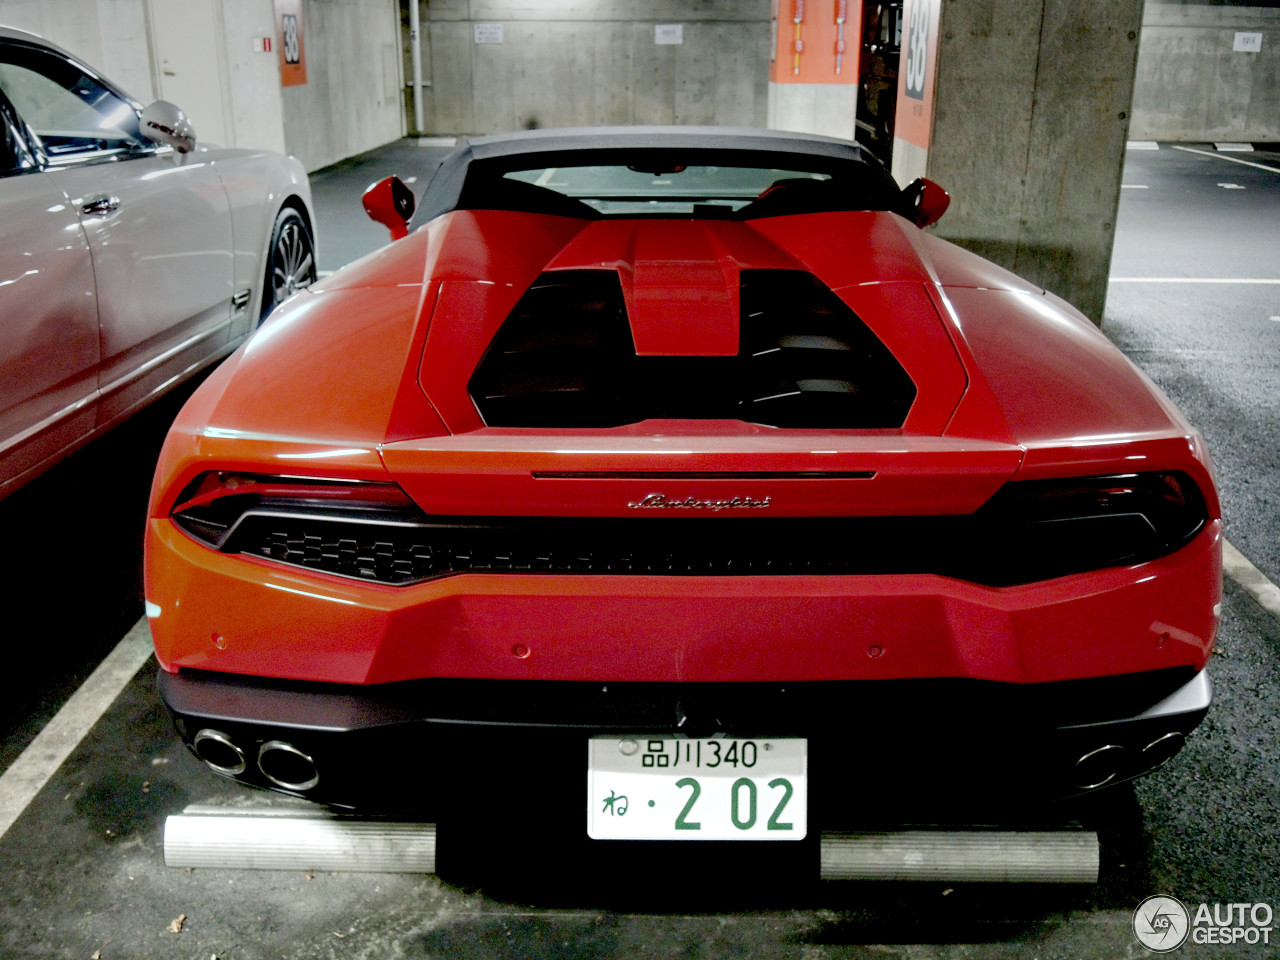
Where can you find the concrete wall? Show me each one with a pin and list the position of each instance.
(827, 109)
(1192, 85)
(571, 63)
(351, 101)
(253, 81)
(1030, 121)
(110, 35)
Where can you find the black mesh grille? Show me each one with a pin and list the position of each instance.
(1028, 531)
(349, 550)
(977, 548)
(681, 547)
(565, 358)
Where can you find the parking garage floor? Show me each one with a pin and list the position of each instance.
(1194, 301)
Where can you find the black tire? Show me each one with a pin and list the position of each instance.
(291, 260)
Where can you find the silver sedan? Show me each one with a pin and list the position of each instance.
(130, 256)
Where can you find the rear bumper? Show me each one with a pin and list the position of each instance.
(237, 614)
(933, 751)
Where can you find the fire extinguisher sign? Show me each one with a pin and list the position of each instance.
(917, 52)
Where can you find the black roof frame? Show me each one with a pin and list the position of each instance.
(582, 145)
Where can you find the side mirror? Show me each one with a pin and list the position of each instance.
(166, 124)
(390, 203)
(924, 202)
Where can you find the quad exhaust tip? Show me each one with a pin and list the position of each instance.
(1099, 767)
(1162, 749)
(288, 838)
(287, 767)
(1110, 762)
(219, 753)
(283, 764)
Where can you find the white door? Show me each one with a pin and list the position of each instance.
(163, 261)
(190, 61)
(48, 313)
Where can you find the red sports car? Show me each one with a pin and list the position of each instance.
(675, 483)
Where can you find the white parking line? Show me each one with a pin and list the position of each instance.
(52, 745)
(1237, 566)
(1194, 280)
(1218, 156)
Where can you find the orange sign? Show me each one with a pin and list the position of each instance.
(916, 71)
(816, 41)
(293, 55)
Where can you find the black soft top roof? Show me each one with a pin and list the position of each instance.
(657, 138)
(576, 146)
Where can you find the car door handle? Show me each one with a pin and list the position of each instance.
(96, 206)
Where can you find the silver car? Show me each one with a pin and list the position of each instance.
(130, 256)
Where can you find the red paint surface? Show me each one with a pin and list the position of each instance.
(365, 378)
(281, 622)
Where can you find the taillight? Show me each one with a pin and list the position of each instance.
(1029, 531)
(1036, 529)
(213, 503)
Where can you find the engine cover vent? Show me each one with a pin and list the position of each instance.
(565, 357)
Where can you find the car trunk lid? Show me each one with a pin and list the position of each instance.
(708, 469)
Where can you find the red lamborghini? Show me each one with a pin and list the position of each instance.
(677, 482)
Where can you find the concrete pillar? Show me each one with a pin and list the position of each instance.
(813, 87)
(1020, 108)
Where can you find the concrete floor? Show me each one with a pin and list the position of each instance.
(1213, 347)
(81, 869)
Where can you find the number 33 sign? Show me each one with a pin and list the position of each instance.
(293, 58)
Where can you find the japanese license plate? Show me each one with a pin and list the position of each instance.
(669, 788)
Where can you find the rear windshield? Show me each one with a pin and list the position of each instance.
(663, 183)
(624, 191)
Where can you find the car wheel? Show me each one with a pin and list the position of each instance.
(291, 260)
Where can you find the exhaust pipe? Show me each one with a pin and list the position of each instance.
(1099, 767)
(218, 752)
(287, 767)
(988, 856)
(1162, 749)
(285, 838)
